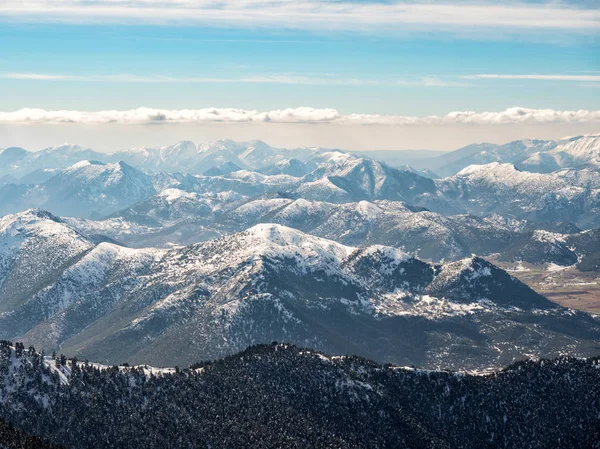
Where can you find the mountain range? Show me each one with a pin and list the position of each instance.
(102, 301)
(174, 216)
(219, 246)
(528, 154)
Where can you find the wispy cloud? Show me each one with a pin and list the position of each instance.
(37, 77)
(433, 81)
(286, 78)
(128, 78)
(312, 14)
(516, 115)
(558, 77)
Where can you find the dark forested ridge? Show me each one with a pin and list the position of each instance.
(13, 438)
(283, 396)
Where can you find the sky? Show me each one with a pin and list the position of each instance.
(351, 74)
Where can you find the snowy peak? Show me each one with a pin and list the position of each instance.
(20, 162)
(495, 169)
(281, 242)
(270, 282)
(181, 156)
(505, 180)
(174, 195)
(541, 156)
(33, 245)
(104, 176)
(94, 188)
(498, 173)
(503, 189)
(343, 176)
(37, 222)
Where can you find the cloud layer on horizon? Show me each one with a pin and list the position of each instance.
(307, 115)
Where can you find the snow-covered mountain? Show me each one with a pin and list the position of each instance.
(481, 154)
(344, 192)
(276, 283)
(183, 156)
(430, 235)
(541, 156)
(171, 206)
(577, 152)
(425, 172)
(19, 162)
(340, 177)
(503, 189)
(344, 177)
(35, 247)
(171, 217)
(83, 189)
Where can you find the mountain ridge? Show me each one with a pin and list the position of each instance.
(283, 395)
(271, 282)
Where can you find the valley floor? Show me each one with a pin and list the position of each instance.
(566, 286)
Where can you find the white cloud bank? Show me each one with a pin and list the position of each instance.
(516, 115)
(312, 14)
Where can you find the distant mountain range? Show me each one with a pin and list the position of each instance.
(182, 157)
(540, 156)
(483, 209)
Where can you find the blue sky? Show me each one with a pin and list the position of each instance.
(266, 55)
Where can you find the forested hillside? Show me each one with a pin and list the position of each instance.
(283, 396)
